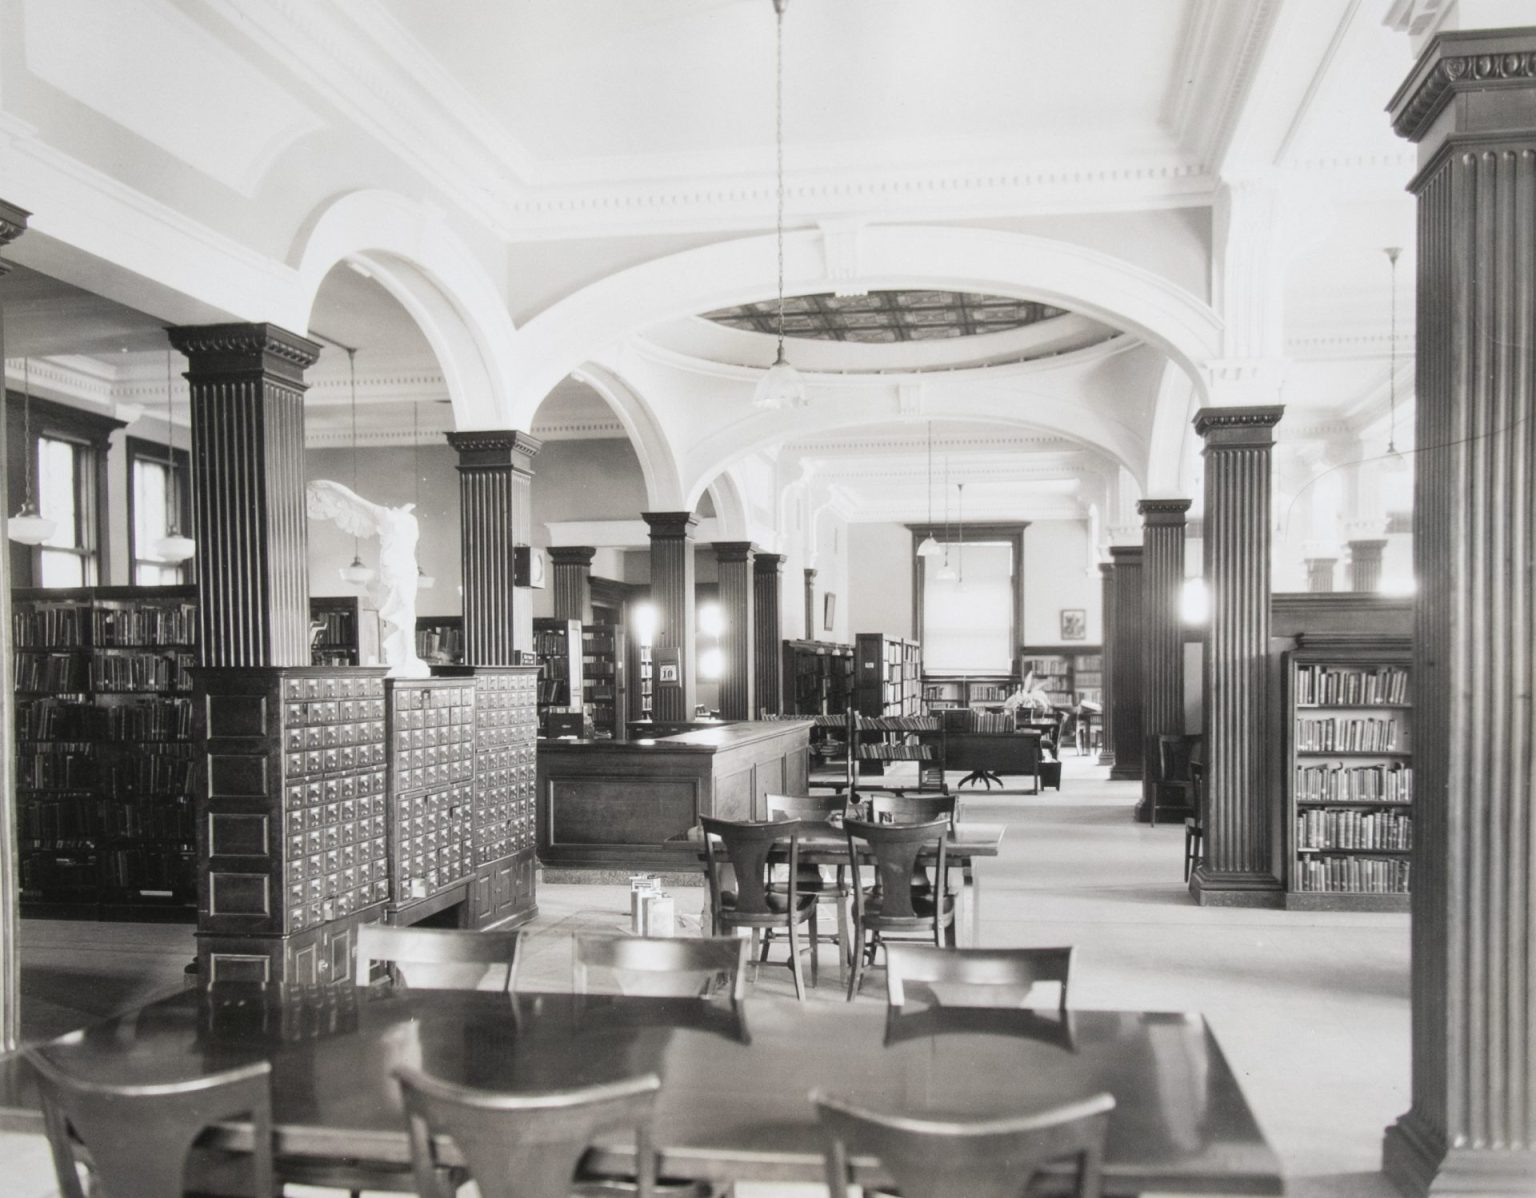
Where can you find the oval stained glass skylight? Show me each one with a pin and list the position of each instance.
(883, 317)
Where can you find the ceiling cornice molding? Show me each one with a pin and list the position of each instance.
(580, 430)
(70, 378)
(1258, 23)
(941, 443)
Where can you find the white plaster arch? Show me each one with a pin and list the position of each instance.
(412, 253)
(1099, 285)
(1172, 432)
(730, 506)
(658, 464)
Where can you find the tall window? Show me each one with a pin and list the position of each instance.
(968, 621)
(65, 485)
(154, 486)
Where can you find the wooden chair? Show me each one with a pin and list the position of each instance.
(893, 906)
(1173, 786)
(1194, 825)
(660, 966)
(836, 890)
(526, 1145)
(436, 958)
(978, 977)
(138, 1137)
(913, 809)
(984, 1158)
(749, 850)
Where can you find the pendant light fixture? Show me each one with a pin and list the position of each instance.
(781, 385)
(1393, 456)
(424, 581)
(174, 547)
(28, 525)
(355, 572)
(929, 547)
(946, 571)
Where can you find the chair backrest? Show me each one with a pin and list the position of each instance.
(138, 1136)
(912, 809)
(896, 849)
(661, 966)
(1173, 758)
(973, 977)
(749, 844)
(993, 1158)
(522, 1145)
(436, 958)
(818, 808)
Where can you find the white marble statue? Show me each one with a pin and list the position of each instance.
(394, 589)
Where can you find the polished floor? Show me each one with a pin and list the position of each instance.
(1311, 1008)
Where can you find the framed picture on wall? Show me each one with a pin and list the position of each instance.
(828, 611)
(1074, 624)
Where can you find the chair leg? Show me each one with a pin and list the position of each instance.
(794, 958)
(857, 973)
(752, 954)
(815, 945)
(842, 938)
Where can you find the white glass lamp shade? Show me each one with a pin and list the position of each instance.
(175, 548)
(780, 387)
(356, 573)
(929, 547)
(946, 573)
(30, 528)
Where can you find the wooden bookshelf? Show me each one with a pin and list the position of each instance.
(106, 822)
(604, 679)
(941, 692)
(888, 675)
(558, 646)
(1349, 776)
(1068, 674)
(440, 640)
(344, 631)
(818, 677)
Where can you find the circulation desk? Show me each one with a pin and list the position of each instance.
(628, 805)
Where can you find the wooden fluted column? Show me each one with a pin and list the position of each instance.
(1162, 639)
(1320, 573)
(768, 631)
(1365, 564)
(672, 582)
(1107, 716)
(247, 387)
(571, 566)
(494, 473)
(1125, 695)
(738, 676)
(13, 223)
(1238, 869)
(1471, 103)
(810, 605)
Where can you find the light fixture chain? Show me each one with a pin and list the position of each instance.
(26, 430)
(170, 453)
(778, 140)
(352, 373)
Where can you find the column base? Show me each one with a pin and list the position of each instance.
(1212, 888)
(1126, 771)
(1415, 1159)
(1106, 757)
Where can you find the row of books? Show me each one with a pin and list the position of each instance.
(63, 818)
(136, 721)
(554, 692)
(161, 870)
(1338, 686)
(993, 721)
(1354, 784)
(1340, 734)
(1354, 830)
(126, 672)
(333, 627)
(75, 766)
(44, 626)
(551, 644)
(56, 672)
(888, 752)
(440, 644)
(1353, 875)
(597, 669)
(893, 723)
(150, 624)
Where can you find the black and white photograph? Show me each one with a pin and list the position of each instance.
(768, 598)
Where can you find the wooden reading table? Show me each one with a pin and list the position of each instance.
(733, 1100)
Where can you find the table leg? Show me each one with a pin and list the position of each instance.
(971, 890)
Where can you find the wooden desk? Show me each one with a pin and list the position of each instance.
(990, 754)
(624, 804)
(733, 1099)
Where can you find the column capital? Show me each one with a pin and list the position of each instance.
(1367, 545)
(1125, 555)
(13, 223)
(571, 555)
(226, 349)
(732, 551)
(665, 525)
(1238, 427)
(1107, 569)
(810, 573)
(768, 563)
(1167, 512)
(1460, 62)
(482, 447)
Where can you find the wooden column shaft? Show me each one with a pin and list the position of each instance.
(1471, 102)
(1162, 639)
(1320, 574)
(248, 475)
(494, 476)
(810, 605)
(1129, 746)
(768, 630)
(571, 569)
(738, 678)
(1365, 564)
(672, 593)
(1238, 867)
